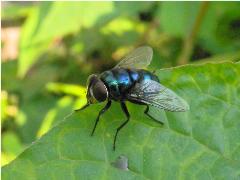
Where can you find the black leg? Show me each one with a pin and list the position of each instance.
(146, 112)
(124, 108)
(82, 108)
(106, 107)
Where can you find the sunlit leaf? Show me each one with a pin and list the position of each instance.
(11, 147)
(4, 104)
(59, 112)
(53, 20)
(69, 89)
(29, 52)
(119, 26)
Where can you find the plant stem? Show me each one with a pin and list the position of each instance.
(189, 40)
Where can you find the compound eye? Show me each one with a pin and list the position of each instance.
(100, 91)
(92, 78)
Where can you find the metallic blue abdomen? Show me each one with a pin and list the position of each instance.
(120, 80)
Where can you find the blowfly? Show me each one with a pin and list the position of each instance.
(128, 81)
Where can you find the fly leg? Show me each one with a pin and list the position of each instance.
(103, 110)
(82, 108)
(146, 112)
(125, 110)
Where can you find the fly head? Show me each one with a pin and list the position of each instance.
(97, 90)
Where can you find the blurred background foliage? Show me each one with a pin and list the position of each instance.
(49, 48)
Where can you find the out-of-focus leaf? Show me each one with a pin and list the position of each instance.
(31, 114)
(56, 114)
(11, 147)
(63, 106)
(8, 106)
(11, 143)
(53, 20)
(4, 104)
(216, 30)
(202, 143)
(58, 14)
(8, 79)
(69, 89)
(132, 8)
(177, 18)
(34, 101)
(219, 31)
(33, 84)
(233, 57)
(29, 51)
(12, 11)
(119, 26)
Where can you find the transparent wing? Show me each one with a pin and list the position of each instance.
(153, 93)
(139, 58)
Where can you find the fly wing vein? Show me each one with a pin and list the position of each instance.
(139, 58)
(153, 93)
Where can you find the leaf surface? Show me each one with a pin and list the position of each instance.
(203, 143)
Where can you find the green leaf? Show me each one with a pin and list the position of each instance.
(216, 31)
(54, 115)
(202, 143)
(177, 18)
(218, 27)
(15, 11)
(53, 20)
(69, 89)
(132, 8)
(65, 17)
(11, 147)
(4, 105)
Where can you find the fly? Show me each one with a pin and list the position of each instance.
(128, 81)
